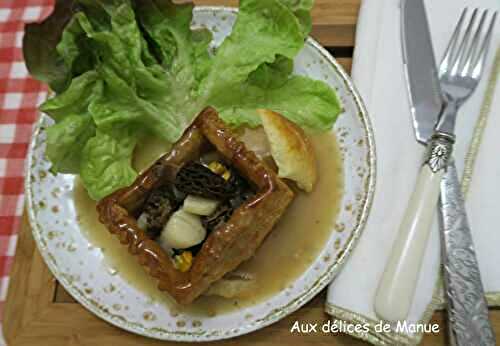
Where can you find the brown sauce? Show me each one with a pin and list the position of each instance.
(287, 252)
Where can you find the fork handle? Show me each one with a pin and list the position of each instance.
(467, 307)
(397, 286)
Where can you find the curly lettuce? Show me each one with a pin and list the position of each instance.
(123, 70)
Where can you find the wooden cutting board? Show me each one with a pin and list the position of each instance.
(40, 312)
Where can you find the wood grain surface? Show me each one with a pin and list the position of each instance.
(39, 312)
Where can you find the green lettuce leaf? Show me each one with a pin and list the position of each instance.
(140, 93)
(106, 163)
(39, 47)
(299, 5)
(73, 49)
(269, 76)
(309, 103)
(302, 10)
(263, 30)
(120, 105)
(66, 140)
(76, 99)
(182, 52)
(127, 69)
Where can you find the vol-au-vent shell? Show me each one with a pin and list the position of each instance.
(85, 271)
(230, 243)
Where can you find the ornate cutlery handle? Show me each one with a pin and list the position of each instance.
(467, 308)
(399, 280)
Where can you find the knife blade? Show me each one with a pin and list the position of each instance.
(421, 74)
(396, 288)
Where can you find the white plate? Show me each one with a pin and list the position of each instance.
(80, 268)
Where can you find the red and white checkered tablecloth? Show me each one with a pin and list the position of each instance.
(19, 98)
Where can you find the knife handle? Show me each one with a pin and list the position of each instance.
(467, 307)
(396, 288)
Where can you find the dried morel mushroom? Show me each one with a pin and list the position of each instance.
(220, 216)
(224, 211)
(157, 210)
(196, 179)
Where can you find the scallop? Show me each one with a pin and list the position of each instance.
(183, 230)
(200, 205)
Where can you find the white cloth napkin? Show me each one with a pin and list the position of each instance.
(378, 74)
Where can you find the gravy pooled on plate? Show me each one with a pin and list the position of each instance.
(299, 236)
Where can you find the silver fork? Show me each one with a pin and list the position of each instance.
(462, 65)
(460, 72)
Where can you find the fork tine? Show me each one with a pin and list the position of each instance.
(462, 49)
(483, 52)
(472, 53)
(450, 50)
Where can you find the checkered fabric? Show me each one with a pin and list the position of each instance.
(19, 98)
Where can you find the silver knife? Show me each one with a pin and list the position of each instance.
(468, 314)
(397, 285)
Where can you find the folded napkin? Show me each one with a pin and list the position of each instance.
(378, 74)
